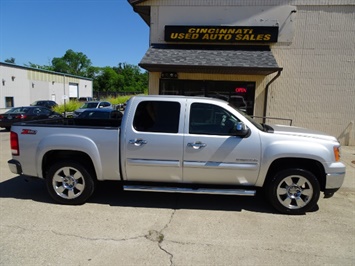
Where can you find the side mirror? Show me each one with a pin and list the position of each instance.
(241, 130)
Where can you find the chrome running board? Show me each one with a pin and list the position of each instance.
(220, 191)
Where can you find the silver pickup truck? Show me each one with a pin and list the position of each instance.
(180, 144)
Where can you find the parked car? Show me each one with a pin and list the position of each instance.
(102, 113)
(92, 104)
(45, 103)
(25, 113)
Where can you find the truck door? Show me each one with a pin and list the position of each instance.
(154, 142)
(212, 154)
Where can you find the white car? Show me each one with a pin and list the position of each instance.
(93, 104)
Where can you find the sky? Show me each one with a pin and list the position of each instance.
(108, 32)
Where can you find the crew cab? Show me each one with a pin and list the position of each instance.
(182, 145)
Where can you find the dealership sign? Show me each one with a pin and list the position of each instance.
(221, 34)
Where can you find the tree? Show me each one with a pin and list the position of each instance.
(75, 63)
(133, 79)
(108, 80)
(10, 60)
(124, 78)
(39, 66)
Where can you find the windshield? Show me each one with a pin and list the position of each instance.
(251, 120)
(17, 110)
(88, 105)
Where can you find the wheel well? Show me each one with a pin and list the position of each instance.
(310, 165)
(52, 157)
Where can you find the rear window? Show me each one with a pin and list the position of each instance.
(157, 116)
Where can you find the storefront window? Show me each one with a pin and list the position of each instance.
(239, 94)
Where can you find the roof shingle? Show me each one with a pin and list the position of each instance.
(207, 59)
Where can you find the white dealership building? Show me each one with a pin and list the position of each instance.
(292, 59)
(20, 86)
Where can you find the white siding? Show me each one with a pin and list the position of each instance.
(29, 85)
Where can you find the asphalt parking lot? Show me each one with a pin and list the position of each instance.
(135, 228)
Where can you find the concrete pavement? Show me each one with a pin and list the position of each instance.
(133, 228)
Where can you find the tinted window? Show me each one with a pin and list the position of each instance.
(37, 111)
(210, 119)
(45, 111)
(90, 105)
(157, 116)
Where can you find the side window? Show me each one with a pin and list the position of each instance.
(211, 119)
(42, 111)
(37, 111)
(157, 116)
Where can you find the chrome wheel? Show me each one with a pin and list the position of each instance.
(294, 192)
(68, 183)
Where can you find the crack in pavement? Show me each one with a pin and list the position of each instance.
(158, 236)
(77, 236)
(98, 238)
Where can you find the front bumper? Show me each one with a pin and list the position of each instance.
(15, 166)
(335, 180)
(335, 175)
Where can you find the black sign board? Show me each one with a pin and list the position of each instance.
(221, 34)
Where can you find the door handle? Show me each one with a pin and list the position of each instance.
(196, 145)
(137, 142)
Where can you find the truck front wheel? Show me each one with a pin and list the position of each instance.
(69, 183)
(293, 191)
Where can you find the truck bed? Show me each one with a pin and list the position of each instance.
(82, 122)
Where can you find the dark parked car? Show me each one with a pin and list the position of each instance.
(45, 103)
(25, 113)
(103, 113)
(93, 104)
(99, 117)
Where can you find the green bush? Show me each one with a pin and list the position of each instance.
(71, 105)
(118, 100)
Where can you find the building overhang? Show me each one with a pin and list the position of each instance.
(143, 11)
(222, 59)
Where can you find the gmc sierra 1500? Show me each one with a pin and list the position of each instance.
(180, 144)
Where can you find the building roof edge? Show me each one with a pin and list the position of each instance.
(43, 70)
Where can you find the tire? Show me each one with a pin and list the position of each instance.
(293, 191)
(68, 182)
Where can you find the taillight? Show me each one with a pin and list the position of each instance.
(15, 148)
(20, 116)
(1, 116)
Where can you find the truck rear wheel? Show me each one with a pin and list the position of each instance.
(68, 182)
(293, 191)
